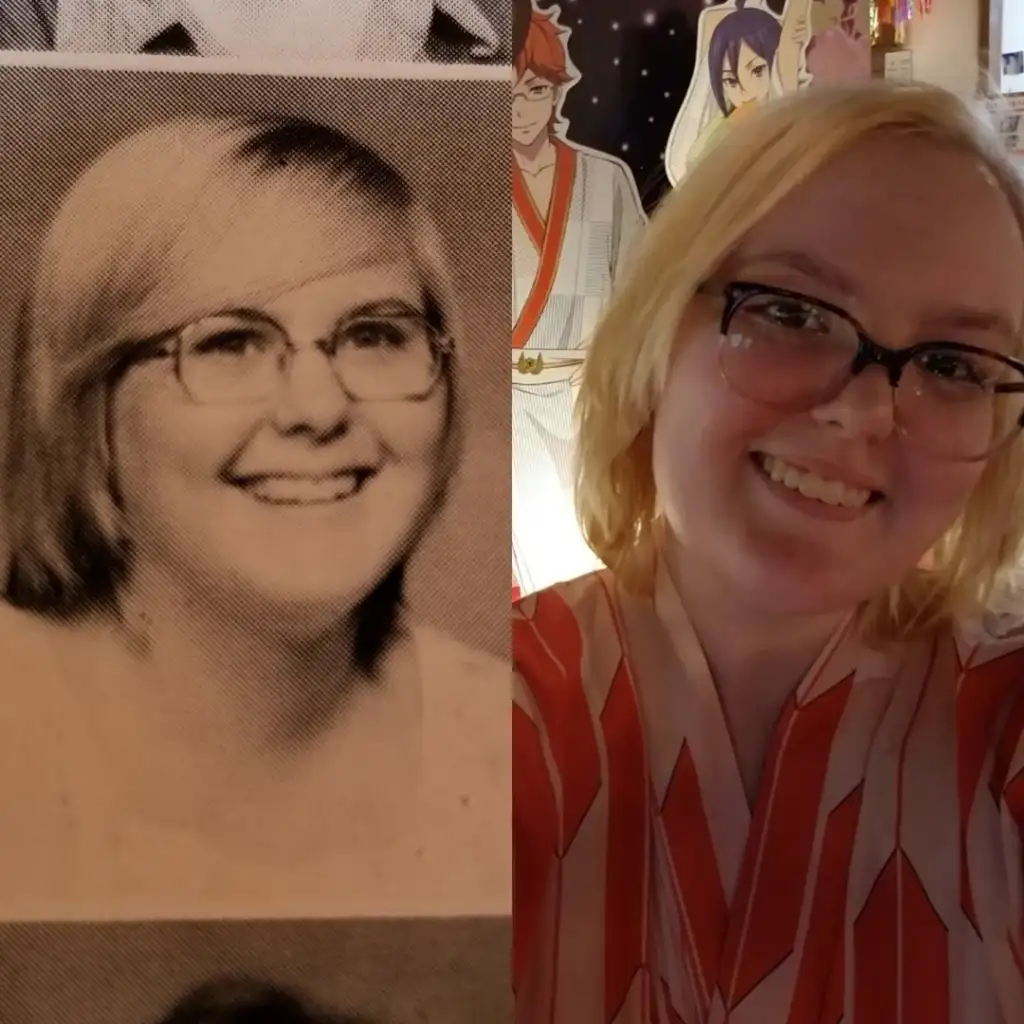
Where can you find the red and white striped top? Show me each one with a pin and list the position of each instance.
(878, 879)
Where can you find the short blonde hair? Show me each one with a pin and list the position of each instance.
(756, 165)
(115, 269)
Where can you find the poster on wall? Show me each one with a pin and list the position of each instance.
(748, 51)
(611, 101)
(577, 213)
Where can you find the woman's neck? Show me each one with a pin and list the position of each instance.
(250, 682)
(757, 655)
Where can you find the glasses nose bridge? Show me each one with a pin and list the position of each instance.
(871, 353)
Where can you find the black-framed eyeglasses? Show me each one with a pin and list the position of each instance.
(788, 350)
(241, 358)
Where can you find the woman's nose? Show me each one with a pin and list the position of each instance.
(311, 397)
(865, 408)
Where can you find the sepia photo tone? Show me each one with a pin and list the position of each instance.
(452, 971)
(255, 496)
(435, 31)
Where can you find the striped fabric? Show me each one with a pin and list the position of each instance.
(877, 879)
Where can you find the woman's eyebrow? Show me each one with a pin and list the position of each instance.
(814, 267)
(384, 307)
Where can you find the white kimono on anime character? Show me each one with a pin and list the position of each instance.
(563, 271)
(694, 130)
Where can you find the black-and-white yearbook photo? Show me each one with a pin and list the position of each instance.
(435, 31)
(255, 496)
(447, 971)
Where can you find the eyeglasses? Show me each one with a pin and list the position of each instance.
(535, 92)
(780, 348)
(234, 359)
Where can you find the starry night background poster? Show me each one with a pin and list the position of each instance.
(636, 59)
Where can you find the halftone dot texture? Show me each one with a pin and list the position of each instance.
(442, 31)
(450, 138)
(395, 971)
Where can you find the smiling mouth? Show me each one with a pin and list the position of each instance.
(298, 489)
(810, 485)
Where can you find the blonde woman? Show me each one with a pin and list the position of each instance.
(235, 417)
(767, 766)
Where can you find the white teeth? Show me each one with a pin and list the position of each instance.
(810, 485)
(304, 490)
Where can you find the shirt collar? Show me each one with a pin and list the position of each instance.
(468, 16)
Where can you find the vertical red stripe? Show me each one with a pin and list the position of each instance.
(770, 903)
(875, 952)
(824, 942)
(1010, 739)
(704, 907)
(834, 1008)
(983, 693)
(627, 840)
(547, 652)
(535, 861)
(925, 953)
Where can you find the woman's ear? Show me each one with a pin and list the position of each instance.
(101, 491)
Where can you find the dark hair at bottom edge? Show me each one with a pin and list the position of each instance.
(243, 1000)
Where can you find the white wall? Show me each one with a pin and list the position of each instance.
(945, 44)
(1013, 39)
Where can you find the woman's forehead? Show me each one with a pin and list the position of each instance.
(264, 246)
(889, 194)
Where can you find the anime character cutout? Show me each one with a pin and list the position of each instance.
(745, 55)
(576, 213)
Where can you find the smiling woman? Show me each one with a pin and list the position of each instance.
(236, 413)
(779, 742)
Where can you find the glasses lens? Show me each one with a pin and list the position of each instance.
(957, 404)
(387, 358)
(786, 351)
(227, 359)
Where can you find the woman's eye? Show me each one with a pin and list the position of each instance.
(376, 334)
(794, 315)
(760, 70)
(729, 83)
(236, 342)
(952, 366)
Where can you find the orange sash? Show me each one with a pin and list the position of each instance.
(547, 235)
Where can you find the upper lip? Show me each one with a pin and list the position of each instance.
(829, 471)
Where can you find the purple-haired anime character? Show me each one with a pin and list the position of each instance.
(747, 54)
(740, 57)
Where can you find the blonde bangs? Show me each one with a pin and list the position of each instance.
(696, 227)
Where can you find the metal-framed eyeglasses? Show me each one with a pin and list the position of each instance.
(781, 348)
(240, 358)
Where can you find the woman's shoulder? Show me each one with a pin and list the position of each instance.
(440, 653)
(569, 607)
(564, 637)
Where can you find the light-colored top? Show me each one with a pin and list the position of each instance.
(315, 29)
(101, 821)
(879, 876)
(567, 257)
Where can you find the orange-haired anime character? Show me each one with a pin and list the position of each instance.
(576, 213)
